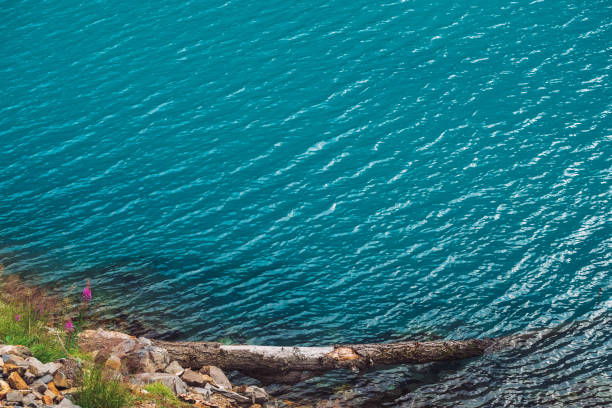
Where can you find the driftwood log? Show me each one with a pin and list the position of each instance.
(289, 365)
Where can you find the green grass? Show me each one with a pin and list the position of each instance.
(101, 391)
(162, 396)
(82, 356)
(159, 390)
(30, 331)
(37, 313)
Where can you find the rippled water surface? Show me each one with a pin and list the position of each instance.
(326, 171)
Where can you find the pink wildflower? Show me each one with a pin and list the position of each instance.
(17, 317)
(69, 326)
(86, 295)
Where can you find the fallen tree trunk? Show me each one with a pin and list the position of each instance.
(275, 364)
(289, 365)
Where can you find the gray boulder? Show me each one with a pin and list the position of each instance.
(173, 382)
(66, 403)
(194, 378)
(15, 359)
(174, 368)
(39, 369)
(218, 376)
(258, 393)
(39, 386)
(148, 359)
(30, 401)
(46, 378)
(29, 377)
(14, 397)
(21, 351)
(68, 373)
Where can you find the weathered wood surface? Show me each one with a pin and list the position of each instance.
(287, 364)
(293, 364)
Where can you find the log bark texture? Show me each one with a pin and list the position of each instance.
(294, 364)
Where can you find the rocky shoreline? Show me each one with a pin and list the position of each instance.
(141, 363)
(27, 382)
(73, 343)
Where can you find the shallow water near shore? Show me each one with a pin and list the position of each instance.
(325, 172)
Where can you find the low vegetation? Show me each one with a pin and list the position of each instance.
(31, 317)
(101, 391)
(162, 396)
(26, 316)
(49, 327)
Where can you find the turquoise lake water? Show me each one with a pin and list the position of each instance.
(318, 172)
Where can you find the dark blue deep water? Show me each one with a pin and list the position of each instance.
(312, 172)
